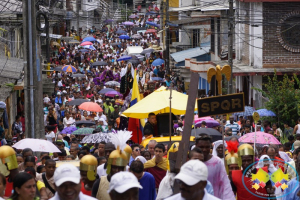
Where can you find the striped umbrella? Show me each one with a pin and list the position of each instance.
(69, 68)
(83, 131)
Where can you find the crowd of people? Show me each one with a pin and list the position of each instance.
(119, 167)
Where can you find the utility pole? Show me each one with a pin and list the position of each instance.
(34, 116)
(230, 43)
(167, 58)
(77, 13)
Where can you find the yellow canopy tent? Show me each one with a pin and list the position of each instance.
(158, 102)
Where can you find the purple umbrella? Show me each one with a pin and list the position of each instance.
(68, 130)
(113, 94)
(128, 23)
(209, 123)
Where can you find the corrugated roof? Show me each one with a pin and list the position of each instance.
(190, 53)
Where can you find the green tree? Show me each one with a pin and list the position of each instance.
(284, 98)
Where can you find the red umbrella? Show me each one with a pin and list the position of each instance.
(150, 31)
(86, 43)
(90, 106)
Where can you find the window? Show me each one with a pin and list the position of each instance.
(196, 38)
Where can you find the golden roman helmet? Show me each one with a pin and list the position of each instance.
(128, 151)
(231, 156)
(244, 150)
(89, 164)
(8, 157)
(118, 157)
(174, 148)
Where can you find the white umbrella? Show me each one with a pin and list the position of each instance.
(36, 145)
(112, 83)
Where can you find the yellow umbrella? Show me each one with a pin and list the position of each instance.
(158, 102)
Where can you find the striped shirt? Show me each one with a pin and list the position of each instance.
(234, 127)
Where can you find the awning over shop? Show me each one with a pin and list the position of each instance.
(52, 36)
(200, 8)
(189, 53)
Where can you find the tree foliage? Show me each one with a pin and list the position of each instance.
(284, 98)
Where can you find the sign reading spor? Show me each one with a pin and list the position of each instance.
(218, 105)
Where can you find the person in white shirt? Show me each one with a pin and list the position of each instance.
(192, 181)
(67, 184)
(50, 136)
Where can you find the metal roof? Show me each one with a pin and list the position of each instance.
(189, 53)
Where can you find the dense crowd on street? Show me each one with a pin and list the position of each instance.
(100, 71)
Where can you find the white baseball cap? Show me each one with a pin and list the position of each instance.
(123, 181)
(192, 172)
(65, 173)
(58, 93)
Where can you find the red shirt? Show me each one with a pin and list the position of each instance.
(9, 188)
(84, 191)
(242, 192)
(158, 174)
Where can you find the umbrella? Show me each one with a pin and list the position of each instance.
(77, 102)
(115, 44)
(58, 69)
(99, 63)
(156, 79)
(113, 94)
(138, 28)
(134, 61)
(105, 90)
(55, 44)
(69, 68)
(125, 37)
(68, 130)
(36, 145)
(141, 31)
(86, 43)
(85, 122)
(153, 24)
(213, 133)
(266, 113)
(261, 138)
(151, 13)
(73, 42)
(108, 21)
(148, 50)
(121, 32)
(159, 102)
(150, 31)
(84, 50)
(209, 123)
(90, 39)
(83, 131)
(248, 112)
(91, 47)
(114, 83)
(197, 119)
(78, 75)
(90, 106)
(133, 16)
(128, 23)
(124, 58)
(158, 61)
(136, 36)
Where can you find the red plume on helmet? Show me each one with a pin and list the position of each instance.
(232, 146)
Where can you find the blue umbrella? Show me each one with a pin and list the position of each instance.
(158, 62)
(108, 21)
(266, 113)
(248, 112)
(68, 130)
(124, 58)
(120, 32)
(90, 39)
(156, 79)
(153, 24)
(125, 37)
(84, 50)
(91, 47)
(151, 13)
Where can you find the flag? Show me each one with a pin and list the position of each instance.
(136, 125)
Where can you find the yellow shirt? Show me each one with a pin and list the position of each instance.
(40, 185)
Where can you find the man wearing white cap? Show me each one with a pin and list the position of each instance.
(67, 184)
(124, 184)
(193, 179)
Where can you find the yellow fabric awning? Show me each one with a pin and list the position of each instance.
(159, 102)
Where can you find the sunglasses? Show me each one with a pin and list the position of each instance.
(137, 149)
